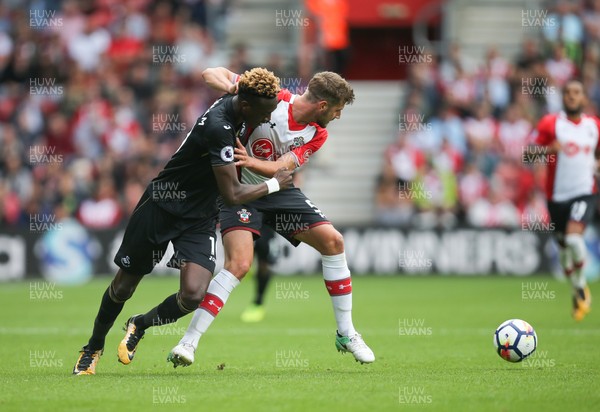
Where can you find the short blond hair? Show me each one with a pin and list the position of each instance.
(331, 87)
(259, 82)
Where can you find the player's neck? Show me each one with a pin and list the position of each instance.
(237, 111)
(574, 117)
(301, 110)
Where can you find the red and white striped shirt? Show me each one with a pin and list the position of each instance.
(571, 173)
(281, 135)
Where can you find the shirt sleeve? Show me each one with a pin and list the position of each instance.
(546, 130)
(284, 94)
(220, 145)
(303, 152)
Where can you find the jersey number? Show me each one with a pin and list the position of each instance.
(213, 250)
(578, 210)
(309, 203)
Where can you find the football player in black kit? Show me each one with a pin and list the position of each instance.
(180, 206)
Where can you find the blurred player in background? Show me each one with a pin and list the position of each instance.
(180, 205)
(296, 130)
(572, 137)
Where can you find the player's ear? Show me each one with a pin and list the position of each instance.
(245, 106)
(323, 105)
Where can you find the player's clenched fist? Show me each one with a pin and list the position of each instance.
(284, 177)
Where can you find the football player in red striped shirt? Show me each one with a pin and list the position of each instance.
(572, 141)
(296, 131)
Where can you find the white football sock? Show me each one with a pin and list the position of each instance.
(219, 289)
(575, 242)
(566, 260)
(339, 285)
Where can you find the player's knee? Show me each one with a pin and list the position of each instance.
(238, 267)
(334, 244)
(122, 291)
(191, 298)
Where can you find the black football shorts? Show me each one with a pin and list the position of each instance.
(147, 235)
(287, 212)
(579, 209)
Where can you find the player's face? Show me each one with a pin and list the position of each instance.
(573, 98)
(258, 111)
(328, 113)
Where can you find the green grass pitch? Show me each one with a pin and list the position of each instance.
(432, 337)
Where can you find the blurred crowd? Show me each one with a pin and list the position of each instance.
(95, 96)
(458, 157)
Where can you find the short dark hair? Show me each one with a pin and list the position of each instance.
(574, 80)
(331, 87)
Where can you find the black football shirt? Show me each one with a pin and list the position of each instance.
(187, 187)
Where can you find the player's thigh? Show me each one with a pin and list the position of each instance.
(581, 212)
(196, 243)
(324, 238)
(145, 240)
(240, 226)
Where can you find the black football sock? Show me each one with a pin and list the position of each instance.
(167, 312)
(110, 307)
(262, 281)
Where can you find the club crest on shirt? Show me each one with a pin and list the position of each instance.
(244, 215)
(298, 141)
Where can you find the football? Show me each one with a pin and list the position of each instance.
(515, 340)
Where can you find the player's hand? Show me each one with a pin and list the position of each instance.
(240, 155)
(285, 178)
(233, 89)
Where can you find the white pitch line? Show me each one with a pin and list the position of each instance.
(177, 329)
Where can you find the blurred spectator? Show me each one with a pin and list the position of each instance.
(481, 131)
(559, 66)
(591, 22)
(447, 126)
(393, 205)
(497, 70)
(102, 211)
(493, 211)
(472, 186)
(435, 195)
(88, 46)
(568, 28)
(513, 132)
(402, 160)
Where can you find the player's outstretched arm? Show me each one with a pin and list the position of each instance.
(221, 79)
(265, 168)
(235, 193)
